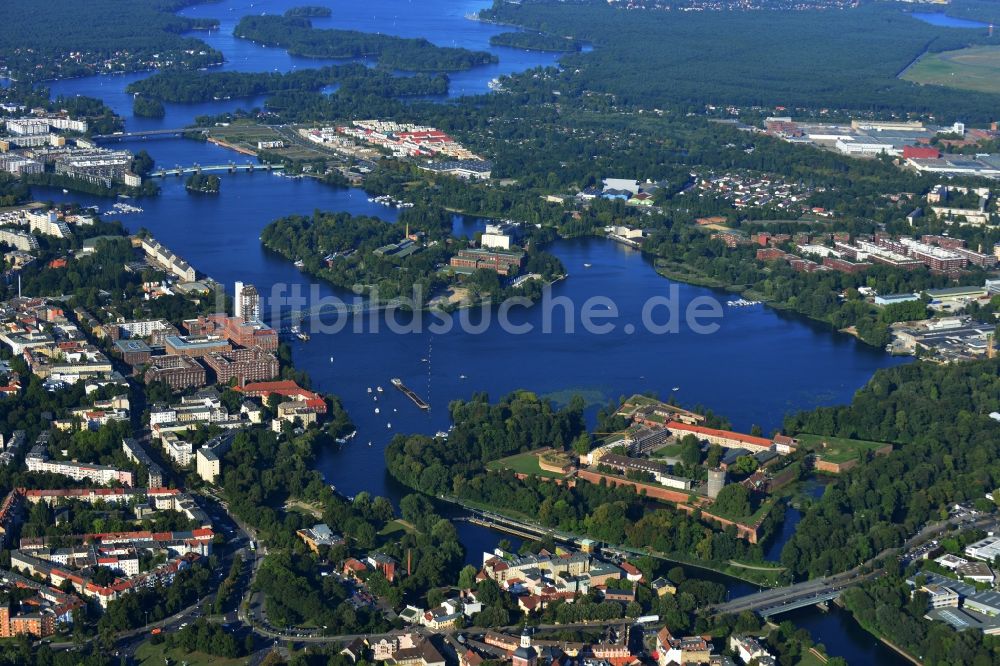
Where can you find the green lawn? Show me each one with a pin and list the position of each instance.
(974, 68)
(523, 463)
(668, 451)
(837, 449)
(397, 527)
(153, 655)
(809, 659)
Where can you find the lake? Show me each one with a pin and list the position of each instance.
(758, 366)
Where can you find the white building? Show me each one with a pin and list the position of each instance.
(19, 165)
(207, 464)
(246, 302)
(18, 240)
(985, 549)
(748, 648)
(865, 147)
(47, 223)
(180, 451)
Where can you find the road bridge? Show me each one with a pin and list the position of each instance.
(231, 167)
(125, 136)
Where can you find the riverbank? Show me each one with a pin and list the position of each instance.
(729, 570)
(885, 641)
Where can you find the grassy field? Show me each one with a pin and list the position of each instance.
(397, 527)
(668, 451)
(975, 68)
(837, 449)
(524, 463)
(153, 655)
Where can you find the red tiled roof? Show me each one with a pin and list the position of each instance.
(728, 434)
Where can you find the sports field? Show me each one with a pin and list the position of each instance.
(975, 68)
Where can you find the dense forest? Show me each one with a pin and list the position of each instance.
(947, 451)
(191, 87)
(415, 55)
(324, 234)
(146, 107)
(848, 60)
(535, 41)
(64, 38)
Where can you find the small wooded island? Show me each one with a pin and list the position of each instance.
(535, 41)
(201, 184)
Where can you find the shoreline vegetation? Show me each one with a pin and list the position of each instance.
(191, 87)
(536, 41)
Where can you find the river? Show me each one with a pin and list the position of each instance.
(759, 365)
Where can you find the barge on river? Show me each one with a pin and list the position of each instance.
(408, 392)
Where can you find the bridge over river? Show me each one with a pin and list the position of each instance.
(125, 136)
(231, 167)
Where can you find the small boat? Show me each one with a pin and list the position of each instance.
(388, 425)
(461, 377)
(379, 389)
(369, 443)
(375, 397)
(299, 263)
(376, 410)
(369, 389)
(423, 360)
(677, 388)
(394, 409)
(65, 191)
(586, 265)
(331, 359)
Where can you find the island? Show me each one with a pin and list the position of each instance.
(414, 262)
(535, 41)
(198, 183)
(416, 55)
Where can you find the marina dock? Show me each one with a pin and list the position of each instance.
(408, 392)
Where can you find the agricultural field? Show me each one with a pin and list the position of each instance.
(975, 68)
